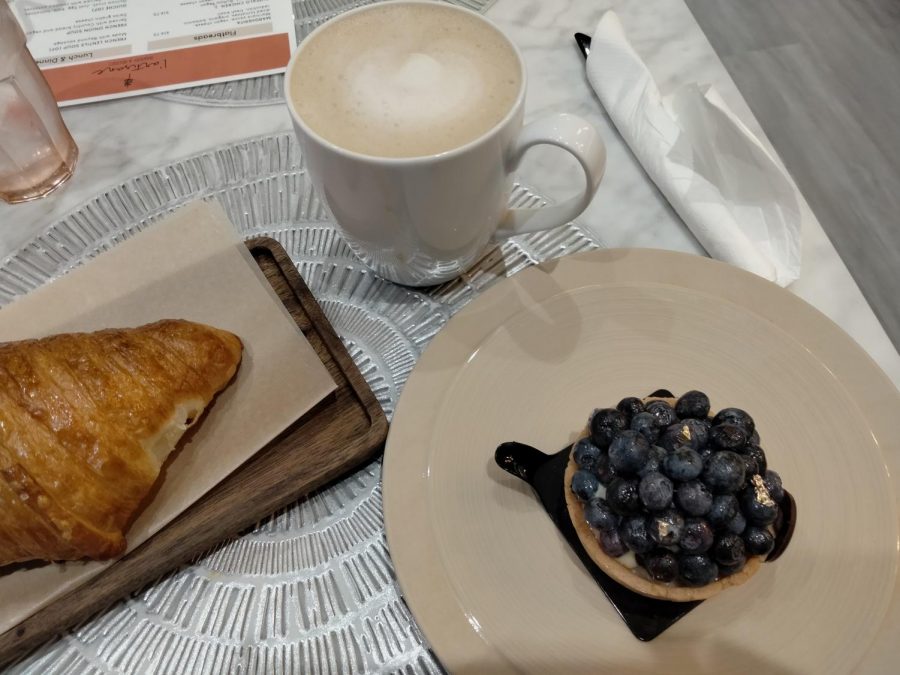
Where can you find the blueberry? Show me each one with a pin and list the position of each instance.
(605, 425)
(727, 437)
(655, 491)
(671, 438)
(724, 509)
(696, 570)
(645, 424)
(663, 413)
(758, 540)
(737, 417)
(600, 516)
(698, 536)
(738, 524)
(661, 565)
(586, 454)
(628, 452)
(724, 472)
(633, 531)
(754, 438)
(751, 467)
(757, 504)
(686, 432)
(772, 481)
(692, 404)
(654, 461)
(584, 485)
(694, 498)
(699, 430)
(623, 497)
(683, 465)
(729, 550)
(755, 459)
(630, 406)
(666, 528)
(612, 543)
(603, 469)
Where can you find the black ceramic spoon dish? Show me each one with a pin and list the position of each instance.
(584, 43)
(645, 617)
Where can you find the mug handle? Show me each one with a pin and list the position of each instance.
(582, 141)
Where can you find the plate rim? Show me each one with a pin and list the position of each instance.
(452, 634)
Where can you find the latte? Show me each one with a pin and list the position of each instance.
(405, 80)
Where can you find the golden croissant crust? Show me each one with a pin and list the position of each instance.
(86, 421)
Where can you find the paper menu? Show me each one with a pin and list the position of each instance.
(192, 266)
(93, 50)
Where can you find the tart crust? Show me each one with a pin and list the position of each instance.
(630, 578)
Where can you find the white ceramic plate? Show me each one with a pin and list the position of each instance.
(491, 581)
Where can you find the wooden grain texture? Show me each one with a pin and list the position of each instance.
(345, 430)
(821, 78)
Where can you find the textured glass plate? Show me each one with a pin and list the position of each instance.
(268, 89)
(310, 589)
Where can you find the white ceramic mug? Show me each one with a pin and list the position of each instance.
(424, 220)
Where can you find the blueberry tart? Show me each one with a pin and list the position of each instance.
(672, 500)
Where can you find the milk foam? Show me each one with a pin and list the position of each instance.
(405, 81)
(413, 89)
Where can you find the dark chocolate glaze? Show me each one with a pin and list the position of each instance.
(645, 617)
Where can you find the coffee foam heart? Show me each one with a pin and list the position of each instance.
(398, 86)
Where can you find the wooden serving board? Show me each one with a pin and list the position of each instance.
(342, 432)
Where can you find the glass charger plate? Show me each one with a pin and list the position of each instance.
(310, 589)
(268, 89)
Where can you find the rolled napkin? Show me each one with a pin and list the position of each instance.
(730, 192)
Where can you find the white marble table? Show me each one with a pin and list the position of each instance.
(123, 138)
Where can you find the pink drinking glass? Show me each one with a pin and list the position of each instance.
(37, 153)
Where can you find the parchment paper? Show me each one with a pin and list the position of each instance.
(191, 266)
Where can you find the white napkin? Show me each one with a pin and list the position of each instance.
(730, 192)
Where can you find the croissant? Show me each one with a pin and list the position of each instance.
(86, 421)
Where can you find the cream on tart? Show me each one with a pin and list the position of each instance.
(671, 502)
